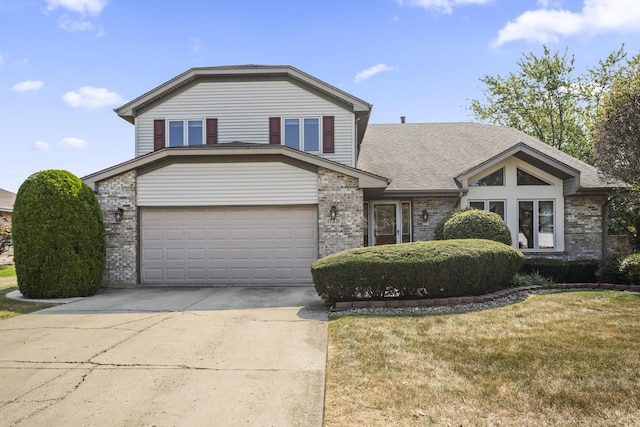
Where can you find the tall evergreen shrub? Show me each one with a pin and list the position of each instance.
(58, 237)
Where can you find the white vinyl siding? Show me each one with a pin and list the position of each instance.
(243, 110)
(227, 184)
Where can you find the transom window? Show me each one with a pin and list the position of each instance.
(535, 224)
(185, 132)
(494, 179)
(525, 178)
(302, 134)
(495, 206)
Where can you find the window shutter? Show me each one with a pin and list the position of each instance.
(212, 131)
(158, 135)
(328, 133)
(274, 130)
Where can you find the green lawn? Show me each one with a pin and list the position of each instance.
(11, 308)
(570, 359)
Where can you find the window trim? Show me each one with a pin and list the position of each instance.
(185, 131)
(301, 132)
(536, 225)
(487, 204)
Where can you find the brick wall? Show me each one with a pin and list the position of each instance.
(583, 226)
(6, 258)
(345, 232)
(437, 207)
(122, 237)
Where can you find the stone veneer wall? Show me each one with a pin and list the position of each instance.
(346, 232)
(122, 237)
(583, 226)
(6, 258)
(437, 207)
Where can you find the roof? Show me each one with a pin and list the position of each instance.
(232, 151)
(7, 199)
(437, 158)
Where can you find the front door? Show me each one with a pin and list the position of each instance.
(385, 223)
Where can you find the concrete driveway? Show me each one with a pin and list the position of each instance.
(168, 357)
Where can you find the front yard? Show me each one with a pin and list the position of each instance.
(569, 359)
(8, 307)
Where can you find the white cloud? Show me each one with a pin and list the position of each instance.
(92, 98)
(369, 72)
(72, 25)
(41, 146)
(596, 16)
(73, 143)
(84, 7)
(443, 6)
(28, 86)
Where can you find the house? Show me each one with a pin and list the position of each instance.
(7, 199)
(247, 174)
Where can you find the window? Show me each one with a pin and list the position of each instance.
(494, 179)
(536, 224)
(525, 178)
(496, 206)
(185, 132)
(366, 224)
(302, 134)
(406, 222)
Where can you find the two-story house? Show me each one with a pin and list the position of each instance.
(247, 174)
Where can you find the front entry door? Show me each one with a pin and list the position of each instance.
(385, 224)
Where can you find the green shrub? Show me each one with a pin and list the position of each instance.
(577, 271)
(609, 270)
(58, 237)
(477, 224)
(630, 267)
(530, 279)
(439, 231)
(438, 268)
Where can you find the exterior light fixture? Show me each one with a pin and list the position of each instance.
(333, 212)
(119, 214)
(425, 215)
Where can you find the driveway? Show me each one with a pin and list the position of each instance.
(168, 357)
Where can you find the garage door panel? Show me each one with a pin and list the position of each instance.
(270, 245)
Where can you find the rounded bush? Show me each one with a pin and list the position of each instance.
(58, 237)
(437, 268)
(439, 231)
(630, 267)
(477, 224)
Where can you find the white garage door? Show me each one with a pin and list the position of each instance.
(240, 245)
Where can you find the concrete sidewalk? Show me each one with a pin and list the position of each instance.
(168, 357)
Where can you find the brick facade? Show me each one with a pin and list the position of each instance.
(583, 227)
(346, 231)
(122, 237)
(437, 208)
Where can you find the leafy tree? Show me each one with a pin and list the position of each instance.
(546, 99)
(58, 236)
(617, 147)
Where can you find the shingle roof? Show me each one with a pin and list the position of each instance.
(429, 156)
(7, 199)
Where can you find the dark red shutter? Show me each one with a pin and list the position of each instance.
(328, 133)
(274, 130)
(212, 131)
(158, 134)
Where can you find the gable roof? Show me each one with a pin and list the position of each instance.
(232, 151)
(360, 108)
(7, 199)
(438, 158)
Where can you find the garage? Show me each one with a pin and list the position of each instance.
(228, 245)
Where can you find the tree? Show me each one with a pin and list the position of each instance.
(58, 237)
(617, 147)
(547, 100)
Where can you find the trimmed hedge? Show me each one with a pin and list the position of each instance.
(477, 224)
(630, 267)
(437, 268)
(609, 270)
(439, 231)
(578, 271)
(58, 237)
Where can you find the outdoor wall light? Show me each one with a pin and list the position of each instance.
(333, 212)
(119, 214)
(425, 215)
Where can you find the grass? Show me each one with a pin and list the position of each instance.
(567, 359)
(11, 308)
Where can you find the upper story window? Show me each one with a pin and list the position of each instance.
(525, 178)
(185, 132)
(302, 134)
(494, 179)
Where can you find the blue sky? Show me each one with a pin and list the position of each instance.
(65, 64)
